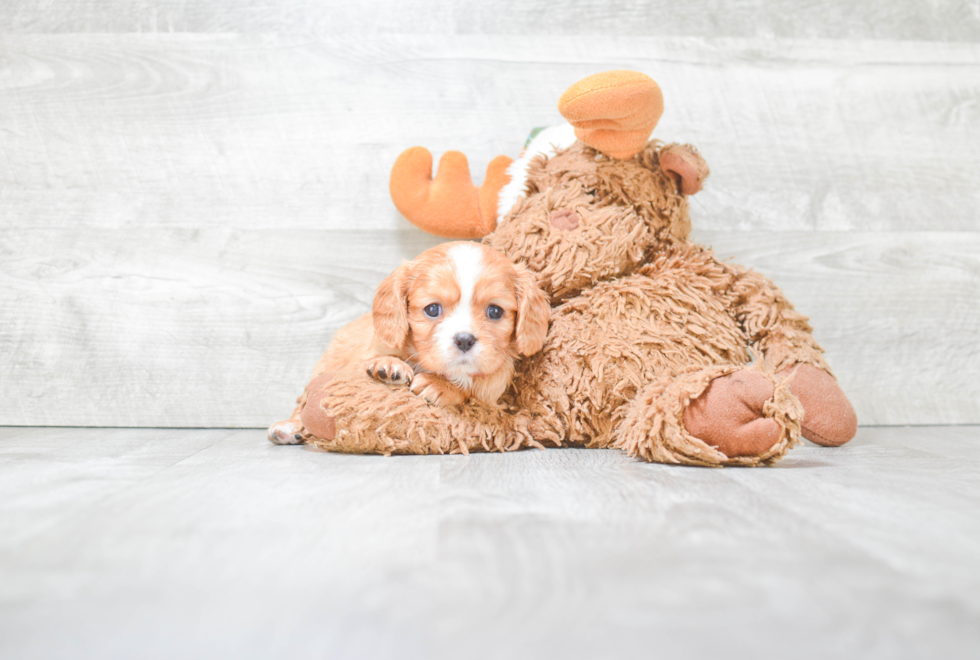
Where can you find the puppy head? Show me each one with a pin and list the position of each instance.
(461, 309)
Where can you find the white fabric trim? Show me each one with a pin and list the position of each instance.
(548, 142)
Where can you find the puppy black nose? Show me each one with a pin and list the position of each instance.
(464, 341)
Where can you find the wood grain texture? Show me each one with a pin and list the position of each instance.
(177, 544)
(185, 219)
(943, 20)
(177, 327)
(180, 327)
(267, 131)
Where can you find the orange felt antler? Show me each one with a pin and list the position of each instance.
(449, 205)
(613, 112)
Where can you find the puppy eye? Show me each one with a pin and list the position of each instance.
(433, 311)
(495, 312)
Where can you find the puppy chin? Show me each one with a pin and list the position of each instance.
(463, 369)
(460, 368)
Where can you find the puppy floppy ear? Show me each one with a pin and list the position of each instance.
(390, 308)
(533, 313)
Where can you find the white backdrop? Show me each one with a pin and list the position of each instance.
(193, 193)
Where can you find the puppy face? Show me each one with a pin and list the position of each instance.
(462, 310)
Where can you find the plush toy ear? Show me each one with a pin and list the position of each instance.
(683, 164)
(613, 112)
(390, 309)
(533, 314)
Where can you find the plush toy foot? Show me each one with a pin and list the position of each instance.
(828, 416)
(315, 419)
(729, 415)
(717, 415)
(286, 432)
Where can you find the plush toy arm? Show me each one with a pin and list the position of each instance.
(785, 345)
(449, 205)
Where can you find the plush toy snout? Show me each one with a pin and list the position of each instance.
(565, 219)
(570, 240)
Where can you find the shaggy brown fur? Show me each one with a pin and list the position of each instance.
(643, 322)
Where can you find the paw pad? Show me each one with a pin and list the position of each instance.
(390, 370)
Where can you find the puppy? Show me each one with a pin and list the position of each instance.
(449, 323)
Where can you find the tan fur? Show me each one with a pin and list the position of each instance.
(643, 321)
(397, 343)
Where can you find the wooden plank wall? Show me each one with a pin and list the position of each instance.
(193, 193)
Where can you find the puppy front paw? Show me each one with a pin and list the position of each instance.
(390, 370)
(437, 390)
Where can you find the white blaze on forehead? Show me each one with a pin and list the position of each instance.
(467, 260)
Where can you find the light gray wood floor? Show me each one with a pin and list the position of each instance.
(213, 543)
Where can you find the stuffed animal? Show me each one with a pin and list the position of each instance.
(655, 346)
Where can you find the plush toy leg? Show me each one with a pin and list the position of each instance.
(828, 416)
(722, 415)
(352, 413)
(306, 419)
(315, 419)
(729, 415)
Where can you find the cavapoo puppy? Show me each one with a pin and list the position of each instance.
(449, 324)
